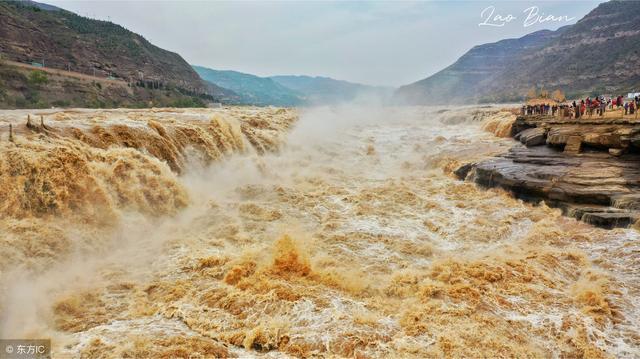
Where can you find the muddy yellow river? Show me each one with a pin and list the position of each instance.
(324, 232)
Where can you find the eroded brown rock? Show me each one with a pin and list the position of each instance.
(533, 136)
(589, 169)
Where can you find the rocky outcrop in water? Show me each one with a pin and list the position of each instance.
(589, 168)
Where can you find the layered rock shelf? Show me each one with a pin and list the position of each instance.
(589, 168)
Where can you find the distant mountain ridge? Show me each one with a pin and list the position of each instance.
(288, 90)
(251, 89)
(78, 53)
(599, 54)
(325, 90)
(41, 6)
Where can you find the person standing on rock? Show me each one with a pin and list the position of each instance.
(626, 108)
(589, 105)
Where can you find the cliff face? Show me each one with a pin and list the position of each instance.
(23, 86)
(467, 77)
(599, 54)
(30, 32)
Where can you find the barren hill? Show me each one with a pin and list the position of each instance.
(599, 54)
(76, 54)
(62, 39)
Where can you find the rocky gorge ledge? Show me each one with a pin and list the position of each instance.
(590, 168)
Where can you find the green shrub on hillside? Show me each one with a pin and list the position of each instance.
(20, 102)
(38, 78)
(187, 102)
(96, 103)
(61, 103)
(40, 104)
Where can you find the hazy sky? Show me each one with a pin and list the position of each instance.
(379, 43)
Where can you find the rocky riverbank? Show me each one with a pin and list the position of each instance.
(589, 168)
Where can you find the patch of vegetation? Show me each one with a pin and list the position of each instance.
(61, 103)
(500, 98)
(96, 103)
(40, 104)
(21, 102)
(187, 102)
(138, 104)
(28, 102)
(67, 84)
(38, 78)
(31, 95)
(10, 75)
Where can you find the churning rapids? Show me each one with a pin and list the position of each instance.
(332, 232)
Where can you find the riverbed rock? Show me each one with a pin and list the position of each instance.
(589, 169)
(610, 220)
(463, 171)
(616, 152)
(573, 144)
(602, 216)
(558, 136)
(627, 201)
(533, 136)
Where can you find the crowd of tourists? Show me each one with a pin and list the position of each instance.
(585, 107)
